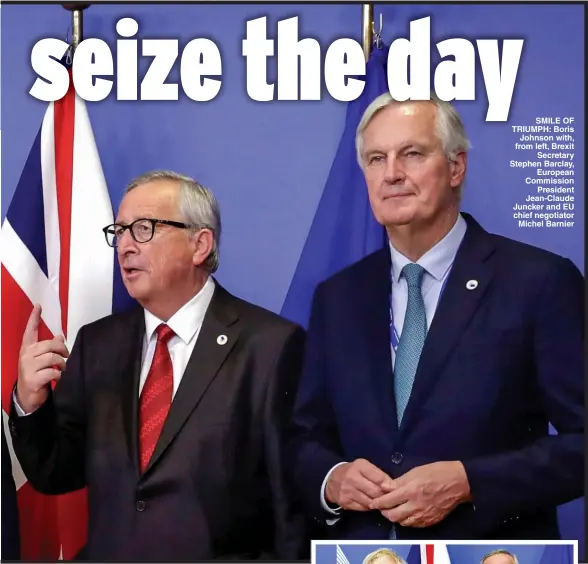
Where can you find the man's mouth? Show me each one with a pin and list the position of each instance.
(399, 195)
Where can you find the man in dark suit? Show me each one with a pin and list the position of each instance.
(200, 477)
(435, 365)
(10, 517)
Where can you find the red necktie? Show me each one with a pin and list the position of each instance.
(156, 396)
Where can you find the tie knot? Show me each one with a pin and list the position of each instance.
(413, 273)
(164, 333)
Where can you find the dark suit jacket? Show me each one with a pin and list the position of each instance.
(10, 516)
(500, 362)
(215, 485)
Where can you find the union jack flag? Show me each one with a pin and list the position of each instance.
(53, 253)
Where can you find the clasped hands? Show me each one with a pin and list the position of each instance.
(422, 497)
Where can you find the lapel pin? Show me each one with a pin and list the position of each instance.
(221, 339)
(471, 284)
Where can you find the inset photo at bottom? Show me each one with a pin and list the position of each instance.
(454, 552)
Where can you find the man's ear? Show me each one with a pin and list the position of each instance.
(203, 242)
(458, 169)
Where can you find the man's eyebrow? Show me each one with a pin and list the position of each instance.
(401, 147)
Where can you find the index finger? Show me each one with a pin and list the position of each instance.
(57, 345)
(373, 473)
(392, 499)
(31, 332)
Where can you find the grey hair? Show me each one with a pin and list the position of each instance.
(198, 207)
(500, 551)
(450, 129)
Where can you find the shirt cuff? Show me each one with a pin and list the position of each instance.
(324, 504)
(19, 410)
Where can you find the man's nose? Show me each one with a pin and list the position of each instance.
(394, 172)
(126, 244)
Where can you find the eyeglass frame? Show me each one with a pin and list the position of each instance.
(154, 222)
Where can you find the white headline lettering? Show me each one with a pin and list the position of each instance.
(301, 67)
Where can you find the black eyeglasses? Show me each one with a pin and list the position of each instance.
(142, 230)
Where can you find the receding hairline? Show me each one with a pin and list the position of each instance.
(396, 104)
(175, 181)
(435, 115)
(175, 200)
(392, 103)
(448, 125)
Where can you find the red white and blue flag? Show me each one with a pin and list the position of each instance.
(434, 554)
(54, 253)
(428, 553)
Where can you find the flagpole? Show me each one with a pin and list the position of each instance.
(367, 25)
(77, 22)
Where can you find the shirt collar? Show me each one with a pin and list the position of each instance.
(186, 321)
(437, 260)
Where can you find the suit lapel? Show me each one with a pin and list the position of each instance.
(454, 311)
(129, 361)
(375, 332)
(206, 360)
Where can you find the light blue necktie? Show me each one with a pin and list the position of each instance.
(412, 339)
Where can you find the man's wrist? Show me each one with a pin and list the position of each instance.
(466, 492)
(330, 489)
(326, 503)
(329, 499)
(21, 409)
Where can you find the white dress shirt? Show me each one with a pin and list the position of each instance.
(185, 323)
(437, 263)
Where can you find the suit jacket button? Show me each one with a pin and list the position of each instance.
(397, 458)
(140, 506)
